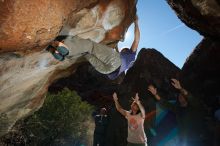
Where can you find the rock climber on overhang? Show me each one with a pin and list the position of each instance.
(103, 58)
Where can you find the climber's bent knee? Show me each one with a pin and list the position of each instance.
(107, 67)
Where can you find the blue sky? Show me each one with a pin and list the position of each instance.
(161, 29)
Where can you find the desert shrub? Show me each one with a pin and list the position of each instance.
(63, 120)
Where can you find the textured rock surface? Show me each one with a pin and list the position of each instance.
(26, 27)
(27, 24)
(91, 85)
(150, 67)
(201, 15)
(200, 73)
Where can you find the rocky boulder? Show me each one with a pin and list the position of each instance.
(200, 73)
(200, 15)
(26, 27)
(201, 69)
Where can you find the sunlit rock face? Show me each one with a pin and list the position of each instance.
(101, 23)
(27, 27)
(201, 15)
(200, 73)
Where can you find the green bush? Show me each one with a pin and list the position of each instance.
(61, 121)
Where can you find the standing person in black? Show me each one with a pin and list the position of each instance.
(101, 121)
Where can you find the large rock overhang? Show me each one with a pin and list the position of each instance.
(27, 27)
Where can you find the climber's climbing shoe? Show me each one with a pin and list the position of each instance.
(58, 56)
(63, 50)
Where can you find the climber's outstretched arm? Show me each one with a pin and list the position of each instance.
(136, 35)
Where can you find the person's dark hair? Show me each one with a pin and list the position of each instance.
(139, 111)
(125, 49)
(103, 110)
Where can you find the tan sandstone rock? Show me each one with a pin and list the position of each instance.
(26, 27)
